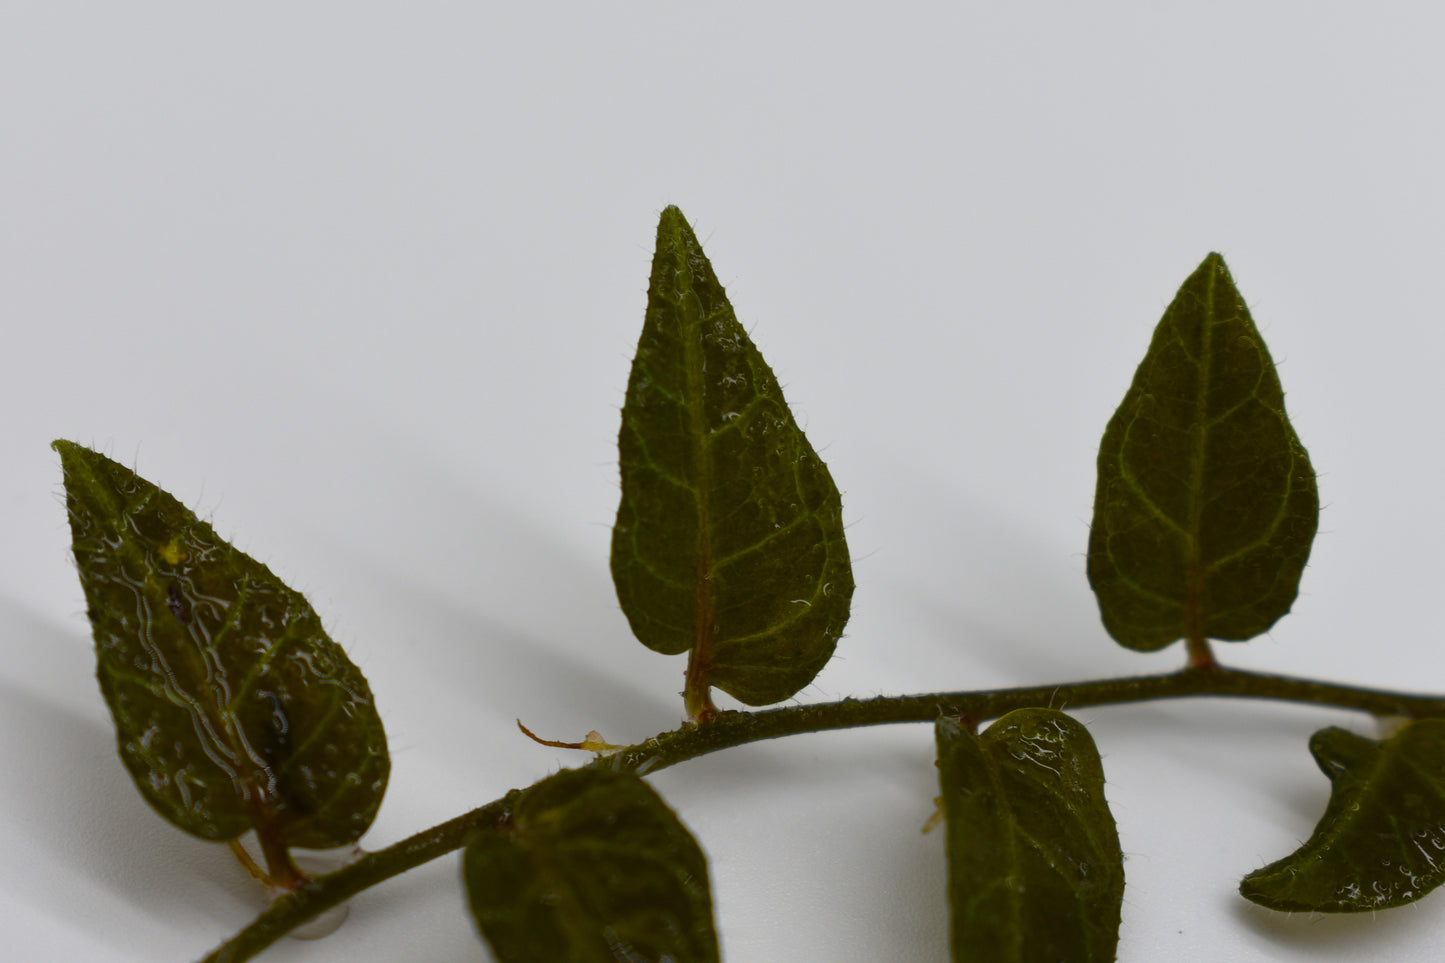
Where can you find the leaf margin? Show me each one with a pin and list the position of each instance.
(1192, 605)
(982, 822)
(496, 869)
(293, 809)
(1340, 754)
(680, 585)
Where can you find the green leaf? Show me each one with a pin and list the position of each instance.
(1381, 841)
(1206, 503)
(592, 866)
(729, 537)
(1034, 866)
(232, 708)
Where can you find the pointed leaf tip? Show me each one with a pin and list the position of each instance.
(729, 539)
(1381, 840)
(1206, 505)
(233, 709)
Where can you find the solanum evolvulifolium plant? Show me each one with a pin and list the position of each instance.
(238, 717)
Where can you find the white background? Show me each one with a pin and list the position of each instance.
(363, 285)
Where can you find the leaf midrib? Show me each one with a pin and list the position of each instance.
(1011, 834)
(185, 688)
(1194, 566)
(700, 657)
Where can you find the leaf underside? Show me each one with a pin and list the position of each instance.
(1206, 505)
(1381, 841)
(1034, 866)
(729, 536)
(233, 709)
(592, 868)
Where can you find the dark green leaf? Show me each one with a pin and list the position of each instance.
(1034, 866)
(1381, 841)
(233, 710)
(593, 866)
(1206, 503)
(729, 537)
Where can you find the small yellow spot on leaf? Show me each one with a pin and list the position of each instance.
(172, 552)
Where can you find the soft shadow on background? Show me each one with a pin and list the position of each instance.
(363, 287)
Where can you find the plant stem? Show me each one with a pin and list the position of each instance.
(1200, 654)
(697, 691)
(728, 729)
(323, 892)
(281, 869)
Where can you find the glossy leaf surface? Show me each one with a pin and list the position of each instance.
(1205, 507)
(1034, 866)
(1381, 841)
(729, 537)
(593, 868)
(233, 709)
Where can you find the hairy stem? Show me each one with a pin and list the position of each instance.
(728, 729)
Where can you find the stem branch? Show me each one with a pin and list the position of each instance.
(727, 729)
